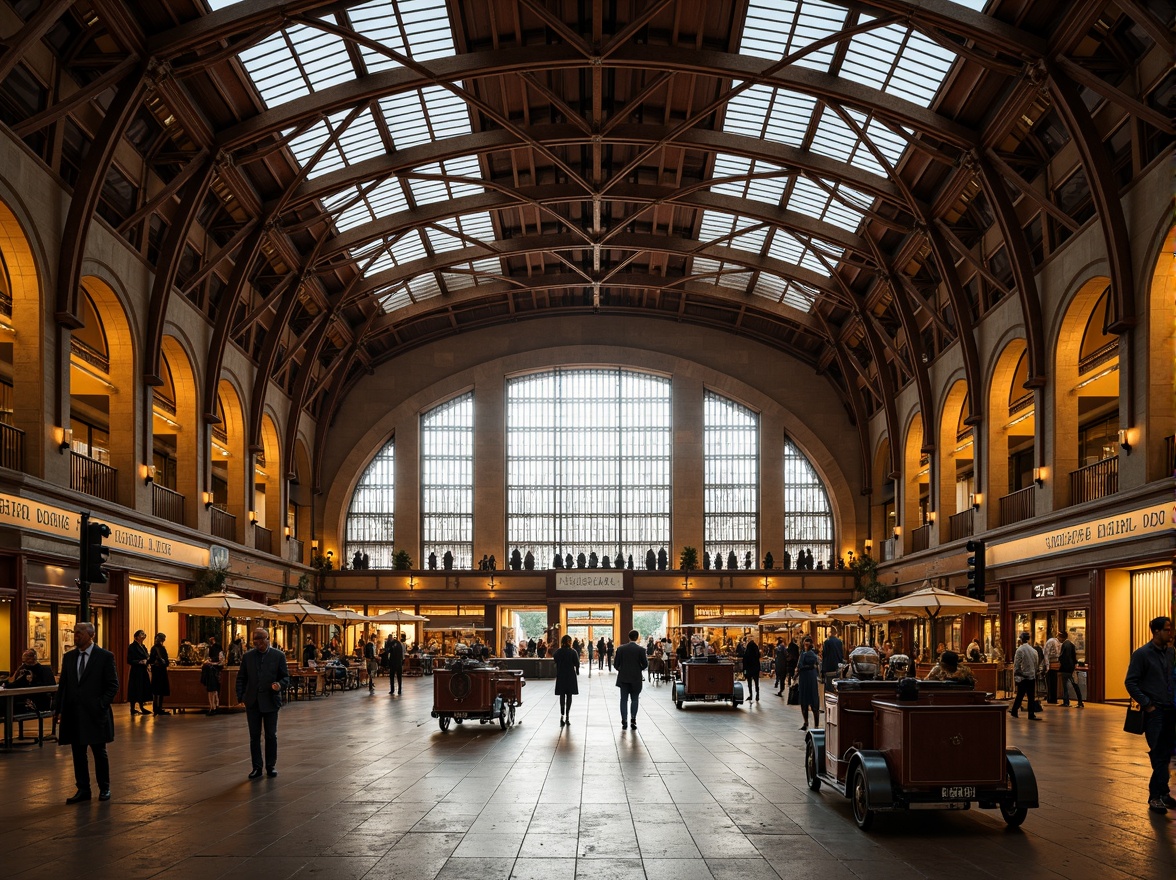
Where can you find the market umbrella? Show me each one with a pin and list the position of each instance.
(930, 602)
(224, 605)
(300, 611)
(397, 617)
(791, 615)
(725, 621)
(854, 612)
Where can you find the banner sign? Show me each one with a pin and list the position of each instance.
(30, 515)
(1122, 526)
(590, 581)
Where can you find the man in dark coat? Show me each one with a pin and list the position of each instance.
(395, 651)
(751, 669)
(262, 678)
(630, 662)
(88, 685)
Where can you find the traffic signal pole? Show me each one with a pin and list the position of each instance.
(83, 581)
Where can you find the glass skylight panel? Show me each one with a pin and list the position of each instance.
(898, 61)
(777, 115)
(837, 140)
(454, 233)
(790, 249)
(832, 203)
(397, 299)
(428, 192)
(785, 291)
(472, 274)
(385, 198)
(425, 23)
(721, 274)
(763, 189)
(719, 228)
(775, 28)
(423, 116)
(296, 62)
(424, 286)
(360, 140)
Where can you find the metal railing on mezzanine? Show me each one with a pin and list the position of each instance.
(921, 538)
(1018, 506)
(263, 539)
(1098, 480)
(167, 504)
(92, 477)
(962, 525)
(224, 524)
(12, 447)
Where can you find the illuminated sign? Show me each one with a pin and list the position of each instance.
(1122, 526)
(24, 513)
(583, 580)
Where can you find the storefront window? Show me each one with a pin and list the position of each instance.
(1076, 627)
(41, 632)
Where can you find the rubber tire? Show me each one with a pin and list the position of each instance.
(1013, 814)
(459, 721)
(502, 717)
(444, 722)
(810, 767)
(679, 705)
(859, 798)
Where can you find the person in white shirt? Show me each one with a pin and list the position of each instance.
(1053, 654)
(1025, 675)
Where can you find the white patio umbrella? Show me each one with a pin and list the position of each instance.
(791, 615)
(930, 602)
(854, 612)
(397, 617)
(224, 605)
(301, 611)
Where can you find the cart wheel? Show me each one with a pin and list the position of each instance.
(678, 704)
(859, 794)
(1013, 814)
(511, 709)
(502, 717)
(810, 766)
(459, 720)
(444, 722)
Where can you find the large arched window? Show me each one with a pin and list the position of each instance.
(731, 481)
(588, 464)
(808, 519)
(369, 525)
(447, 482)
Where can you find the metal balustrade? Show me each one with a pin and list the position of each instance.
(1017, 506)
(11, 447)
(921, 538)
(1095, 481)
(92, 477)
(167, 503)
(224, 524)
(263, 539)
(962, 525)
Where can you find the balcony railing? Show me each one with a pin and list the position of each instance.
(11, 447)
(961, 524)
(167, 504)
(92, 477)
(224, 524)
(263, 539)
(1017, 506)
(296, 551)
(921, 538)
(889, 549)
(1098, 480)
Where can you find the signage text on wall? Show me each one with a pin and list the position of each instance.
(1120, 527)
(589, 580)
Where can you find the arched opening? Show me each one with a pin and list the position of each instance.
(227, 497)
(1011, 446)
(957, 471)
(1158, 436)
(101, 395)
(22, 376)
(1086, 399)
(916, 494)
(298, 506)
(174, 446)
(808, 516)
(269, 530)
(884, 516)
(369, 529)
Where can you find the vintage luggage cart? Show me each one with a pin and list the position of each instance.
(703, 681)
(471, 689)
(917, 745)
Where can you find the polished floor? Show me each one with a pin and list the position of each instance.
(369, 787)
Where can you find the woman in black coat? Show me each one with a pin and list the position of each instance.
(160, 687)
(139, 681)
(567, 668)
(751, 669)
(806, 676)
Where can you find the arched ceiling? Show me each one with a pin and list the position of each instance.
(364, 177)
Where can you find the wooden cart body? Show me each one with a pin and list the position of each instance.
(700, 681)
(942, 748)
(470, 689)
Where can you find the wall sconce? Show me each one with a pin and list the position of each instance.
(288, 534)
(253, 517)
(1124, 441)
(766, 581)
(897, 531)
(1039, 475)
(931, 517)
(977, 497)
(412, 583)
(207, 498)
(868, 544)
(330, 556)
(148, 474)
(686, 583)
(314, 544)
(491, 584)
(64, 437)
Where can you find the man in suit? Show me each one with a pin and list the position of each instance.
(395, 650)
(262, 678)
(88, 685)
(630, 661)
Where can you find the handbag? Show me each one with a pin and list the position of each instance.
(794, 695)
(1134, 722)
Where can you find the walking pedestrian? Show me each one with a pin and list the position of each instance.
(394, 650)
(261, 680)
(832, 656)
(631, 662)
(139, 681)
(806, 675)
(751, 668)
(160, 686)
(1053, 653)
(1150, 683)
(372, 661)
(1067, 664)
(608, 654)
(567, 668)
(600, 647)
(1025, 675)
